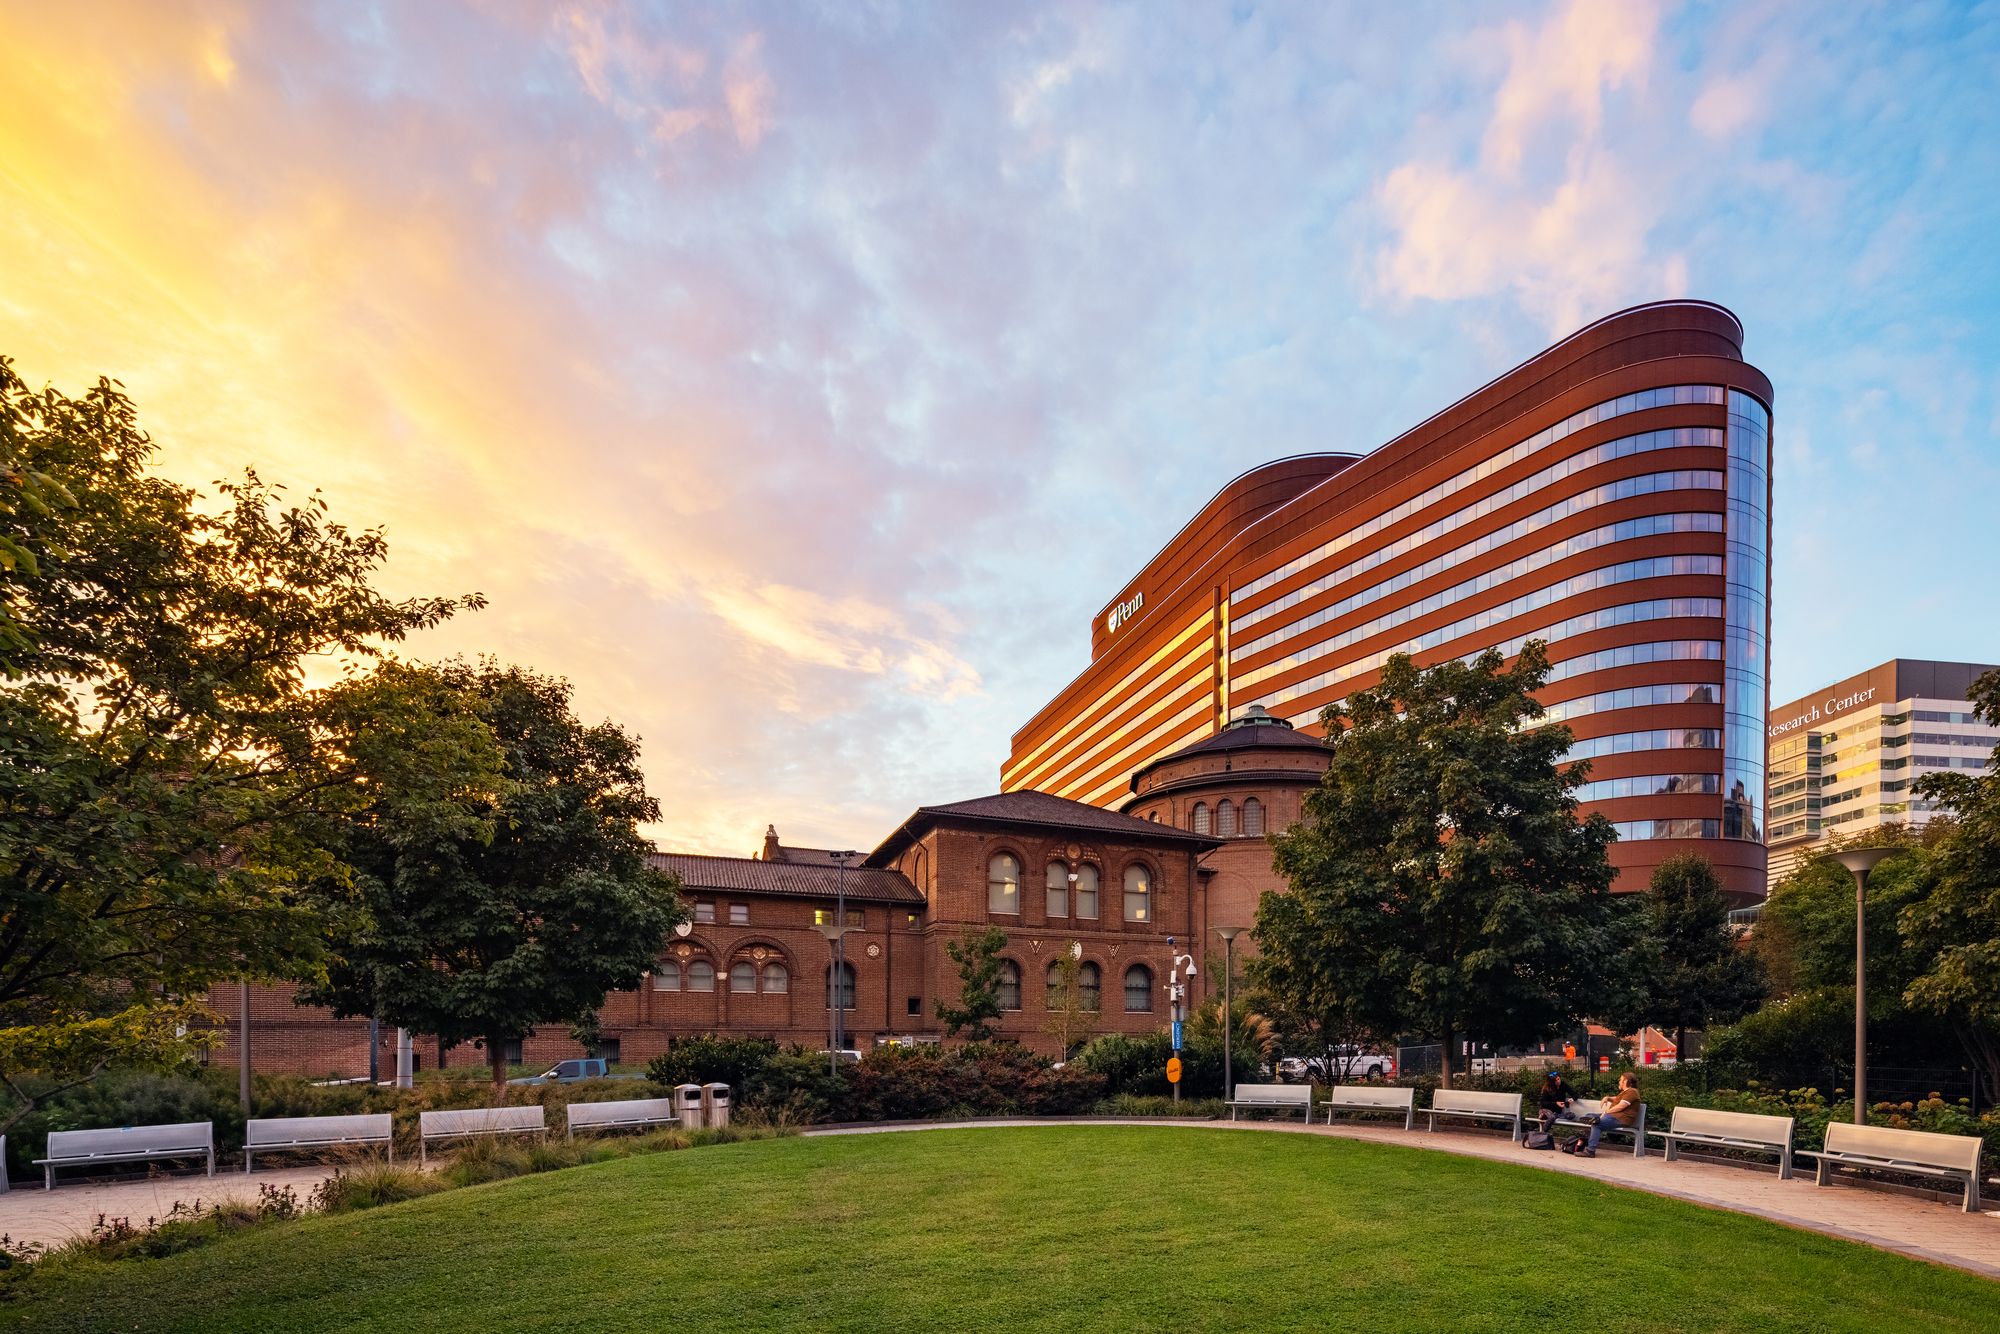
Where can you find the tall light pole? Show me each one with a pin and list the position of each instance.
(1861, 861)
(838, 936)
(1228, 934)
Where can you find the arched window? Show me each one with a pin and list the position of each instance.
(1003, 885)
(1200, 819)
(667, 976)
(1138, 894)
(1253, 817)
(1086, 892)
(776, 980)
(743, 976)
(1052, 985)
(1225, 819)
(701, 975)
(1138, 989)
(1089, 985)
(1010, 985)
(846, 985)
(1058, 883)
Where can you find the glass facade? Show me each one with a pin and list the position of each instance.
(1746, 656)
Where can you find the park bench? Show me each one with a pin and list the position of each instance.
(1502, 1108)
(469, 1122)
(621, 1113)
(273, 1133)
(1367, 1098)
(1276, 1096)
(1745, 1131)
(127, 1144)
(1918, 1152)
(1582, 1113)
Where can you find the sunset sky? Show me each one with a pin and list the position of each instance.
(798, 379)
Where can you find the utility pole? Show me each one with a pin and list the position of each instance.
(838, 936)
(243, 1047)
(1228, 934)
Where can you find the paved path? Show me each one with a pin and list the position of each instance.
(29, 1213)
(1941, 1233)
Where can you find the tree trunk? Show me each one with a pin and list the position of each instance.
(496, 1058)
(1444, 1058)
(1680, 1044)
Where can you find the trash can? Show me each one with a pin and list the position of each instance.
(688, 1107)
(716, 1098)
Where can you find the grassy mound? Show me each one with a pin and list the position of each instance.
(1077, 1227)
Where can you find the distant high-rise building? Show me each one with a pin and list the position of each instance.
(1844, 759)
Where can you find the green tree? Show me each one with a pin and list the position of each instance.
(1954, 930)
(978, 960)
(1692, 970)
(1441, 878)
(528, 905)
(164, 768)
(1072, 1010)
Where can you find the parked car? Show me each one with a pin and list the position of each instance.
(572, 1072)
(1347, 1063)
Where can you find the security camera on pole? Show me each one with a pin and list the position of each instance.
(1176, 990)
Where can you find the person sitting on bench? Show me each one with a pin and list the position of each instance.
(1621, 1109)
(1555, 1097)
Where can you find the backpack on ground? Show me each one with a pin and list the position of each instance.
(1538, 1139)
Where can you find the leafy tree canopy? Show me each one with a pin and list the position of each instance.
(1441, 881)
(1691, 970)
(519, 904)
(165, 769)
(978, 960)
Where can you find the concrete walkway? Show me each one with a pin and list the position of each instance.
(1923, 1229)
(51, 1217)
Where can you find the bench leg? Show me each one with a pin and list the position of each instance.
(246, 1160)
(211, 1162)
(1825, 1173)
(1673, 1151)
(48, 1178)
(1515, 1138)
(1972, 1192)
(1409, 1118)
(1785, 1163)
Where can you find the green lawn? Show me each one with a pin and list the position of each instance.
(1083, 1227)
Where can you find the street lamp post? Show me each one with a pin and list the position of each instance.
(1228, 934)
(838, 937)
(1860, 861)
(1175, 990)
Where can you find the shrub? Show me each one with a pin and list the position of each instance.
(979, 1079)
(1138, 1065)
(708, 1059)
(1807, 1039)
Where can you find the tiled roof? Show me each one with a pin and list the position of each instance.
(789, 879)
(805, 856)
(1041, 810)
(1238, 737)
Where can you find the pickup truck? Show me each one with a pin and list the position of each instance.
(571, 1072)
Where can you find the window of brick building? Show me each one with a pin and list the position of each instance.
(1225, 819)
(1138, 894)
(608, 1050)
(1086, 892)
(916, 1007)
(667, 977)
(739, 914)
(846, 985)
(743, 976)
(1199, 820)
(701, 975)
(1003, 885)
(510, 1051)
(1138, 989)
(856, 918)
(704, 910)
(1089, 986)
(1058, 883)
(1253, 818)
(777, 980)
(1010, 985)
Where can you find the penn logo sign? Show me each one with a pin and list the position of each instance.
(1123, 612)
